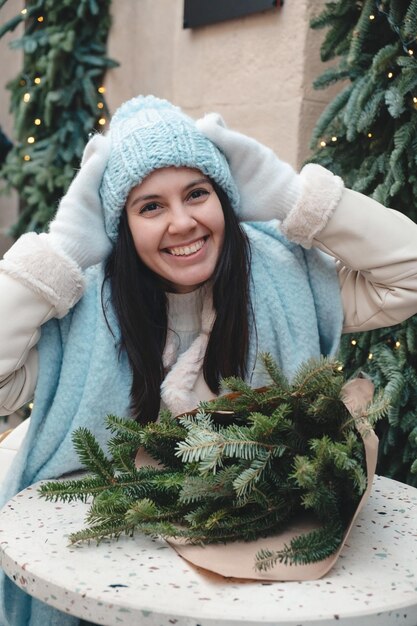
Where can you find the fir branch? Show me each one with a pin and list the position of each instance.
(309, 548)
(91, 455)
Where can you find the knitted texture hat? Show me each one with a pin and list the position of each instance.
(147, 134)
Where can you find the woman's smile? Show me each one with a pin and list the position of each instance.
(188, 249)
(177, 224)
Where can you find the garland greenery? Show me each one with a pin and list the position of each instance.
(57, 100)
(239, 468)
(368, 136)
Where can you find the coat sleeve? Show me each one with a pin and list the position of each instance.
(375, 249)
(36, 283)
(376, 258)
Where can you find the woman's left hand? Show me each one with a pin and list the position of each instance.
(269, 188)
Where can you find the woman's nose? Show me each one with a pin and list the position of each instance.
(181, 220)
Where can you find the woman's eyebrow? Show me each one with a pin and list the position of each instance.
(197, 181)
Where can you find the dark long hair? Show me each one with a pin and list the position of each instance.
(140, 304)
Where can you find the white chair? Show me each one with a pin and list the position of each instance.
(10, 442)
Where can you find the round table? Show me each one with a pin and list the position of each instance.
(143, 582)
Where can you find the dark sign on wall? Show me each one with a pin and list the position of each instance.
(202, 12)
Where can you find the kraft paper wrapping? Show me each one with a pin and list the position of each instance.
(237, 559)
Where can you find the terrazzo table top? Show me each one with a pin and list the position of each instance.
(143, 582)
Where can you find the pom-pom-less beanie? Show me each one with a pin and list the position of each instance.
(146, 134)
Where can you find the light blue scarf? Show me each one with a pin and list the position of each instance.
(296, 299)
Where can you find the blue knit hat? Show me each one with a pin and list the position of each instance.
(146, 134)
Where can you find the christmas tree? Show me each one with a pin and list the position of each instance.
(368, 136)
(239, 468)
(57, 100)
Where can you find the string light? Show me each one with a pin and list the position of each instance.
(38, 122)
(101, 90)
(334, 138)
(30, 405)
(100, 105)
(372, 17)
(102, 121)
(31, 139)
(26, 157)
(24, 11)
(40, 18)
(411, 52)
(370, 135)
(340, 368)
(323, 144)
(353, 342)
(390, 74)
(415, 100)
(397, 344)
(26, 97)
(37, 80)
(370, 356)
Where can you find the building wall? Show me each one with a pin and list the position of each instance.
(256, 71)
(10, 64)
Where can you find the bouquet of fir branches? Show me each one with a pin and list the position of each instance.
(240, 467)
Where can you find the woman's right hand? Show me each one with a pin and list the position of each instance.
(78, 227)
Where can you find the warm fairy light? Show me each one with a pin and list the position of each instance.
(30, 405)
(102, 121)
(24, 11)
(340, 368)
(370, 135)
(323, 144)
(397, 344)
(100, 105)
(390, 74)
(334, 138)
(372, 17)
(353, 342)
(31, 139)
(26, 97)
(101, 90)
(37, 80)
(40, 18)
(38, 122)
(26, 157)
(411, 52)
(415, 100)
(370, 356)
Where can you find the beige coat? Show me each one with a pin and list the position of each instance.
(375, 250)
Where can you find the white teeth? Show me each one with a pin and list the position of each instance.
(186, 250)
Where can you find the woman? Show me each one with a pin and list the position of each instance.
(179, 294)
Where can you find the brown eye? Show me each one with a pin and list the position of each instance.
(152, 206)
(198, 193)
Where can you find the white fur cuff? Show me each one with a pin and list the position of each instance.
(321, 193)
(33, 261)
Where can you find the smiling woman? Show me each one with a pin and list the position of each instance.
(177, 225)
(151, 286)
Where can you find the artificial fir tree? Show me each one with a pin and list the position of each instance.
(368, 136)
(57, 100)
(240, 467)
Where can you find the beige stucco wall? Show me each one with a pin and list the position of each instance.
(255, 71)
(10, 65)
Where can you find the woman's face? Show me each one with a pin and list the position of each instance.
(177, 225)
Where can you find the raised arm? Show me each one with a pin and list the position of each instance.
(375, 248)
(41, 276)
